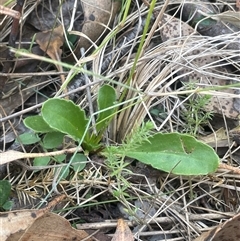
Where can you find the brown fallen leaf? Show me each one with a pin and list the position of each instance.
(219, 138)
(51, 42)
(98, 15)
(15, 221)
(230, 230)
(123, 232)
(51, 227)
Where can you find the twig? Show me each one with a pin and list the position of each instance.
(10, 12)
(192, 217)
(9, 156)
(228, 167)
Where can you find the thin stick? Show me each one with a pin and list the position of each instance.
(10, 12)
(11, 155)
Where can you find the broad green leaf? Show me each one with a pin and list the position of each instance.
(41, 161)
(53, 140)
(37, 124)
(28, 138)
(106, 98)
(177, 153)
(65, 116)
(5, 190)
(79, 162)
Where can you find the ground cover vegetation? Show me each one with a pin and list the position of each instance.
(128, 109)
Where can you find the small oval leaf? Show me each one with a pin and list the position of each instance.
(177, 153)
(53, 140)
(41, 161)
(28, 138)
(37, 124)
(65, 116)
(79, 162)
